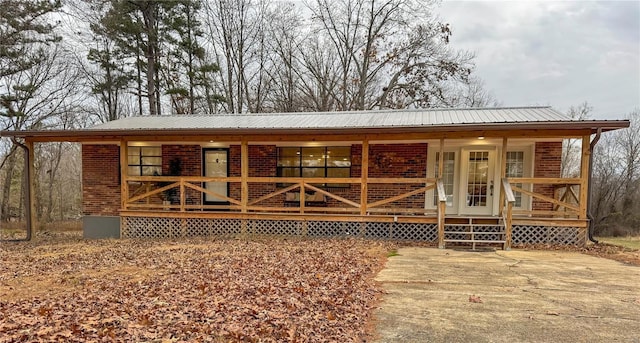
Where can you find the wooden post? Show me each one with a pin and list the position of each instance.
(364, 178)
(584, 176)
(302, 197)
(508, 226)
(503, 174)
(442, 205)
(183, 195)
(31, 188)
(244, 184)
(441, 159)
(244, 175)
(124, 172)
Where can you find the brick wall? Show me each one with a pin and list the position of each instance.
(548, 158)
(100, 179)
(397, 160)
(262, 162)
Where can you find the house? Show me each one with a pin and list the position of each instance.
(477, 176)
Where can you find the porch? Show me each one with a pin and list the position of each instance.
(144, 216)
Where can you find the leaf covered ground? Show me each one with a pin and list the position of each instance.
(69, 289)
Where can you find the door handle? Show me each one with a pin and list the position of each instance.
(491, 187)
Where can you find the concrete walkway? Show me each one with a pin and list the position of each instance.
(438, 295)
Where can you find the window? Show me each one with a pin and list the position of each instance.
(447, 176)
(315, 162)
(145, 160)
(515, 168)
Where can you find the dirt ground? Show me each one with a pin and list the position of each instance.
(450, 295)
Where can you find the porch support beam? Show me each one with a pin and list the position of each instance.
(584, 176)
(442, 206)
(244, 175)
(503, 174)
(124, 171)
(364, 177)
(31, 188)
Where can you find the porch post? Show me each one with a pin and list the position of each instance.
(442, 206)
(244, 174)
(364, 177)
(31, 189)
(124, 171)
(584, 176)
(503, 174)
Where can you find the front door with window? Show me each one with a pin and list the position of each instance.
(215, 164)
(477, 180)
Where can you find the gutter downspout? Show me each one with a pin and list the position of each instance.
(27, 195)
(589, 214)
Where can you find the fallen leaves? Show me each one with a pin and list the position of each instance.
(475, 299)
(189, 290)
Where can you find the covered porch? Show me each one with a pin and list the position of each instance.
(445, 176)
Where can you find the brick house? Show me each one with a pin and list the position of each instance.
(477, 176)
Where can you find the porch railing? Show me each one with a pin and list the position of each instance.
(185, 193)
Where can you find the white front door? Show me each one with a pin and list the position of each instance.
(215, 165)
(477, 180)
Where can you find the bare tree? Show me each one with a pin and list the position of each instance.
(571, 149)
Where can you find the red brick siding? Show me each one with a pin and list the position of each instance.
(100, 179)
(397, 160)
(548, 159)
(262, 162)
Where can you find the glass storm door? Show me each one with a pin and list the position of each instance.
(478, 183)
(215, 165)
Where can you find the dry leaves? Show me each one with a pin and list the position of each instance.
(475, 299)
(188, 290)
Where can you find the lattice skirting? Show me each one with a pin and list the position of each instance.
(555, 235)
(151, 227)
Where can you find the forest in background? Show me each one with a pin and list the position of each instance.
(75, 63)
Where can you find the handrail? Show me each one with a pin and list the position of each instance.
(546, 180)
(509, 196)
(442, 195)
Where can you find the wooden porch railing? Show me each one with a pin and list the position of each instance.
(568, 206)
(148, 193)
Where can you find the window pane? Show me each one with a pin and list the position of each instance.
(313, 157)
(151, 170)
(447, 176)
(152, 161)
(288, 161)
(133, 151)
(151, 151)
(289, 152)
(515, 168)
(313, 172)
(135, 159)
(134, 171)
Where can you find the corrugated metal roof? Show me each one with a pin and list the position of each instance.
(414, 118)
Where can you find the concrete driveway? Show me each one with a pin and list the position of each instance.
(447, 295)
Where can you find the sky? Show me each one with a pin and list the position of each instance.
(553, 53)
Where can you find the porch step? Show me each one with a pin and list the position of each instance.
(462, 230)
(472, 241)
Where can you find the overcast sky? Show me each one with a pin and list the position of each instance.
(557, 53)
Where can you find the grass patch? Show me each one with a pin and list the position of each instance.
(627, 242)
(393, 253)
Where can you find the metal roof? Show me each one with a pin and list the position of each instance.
(415, 118)
(527, 120)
